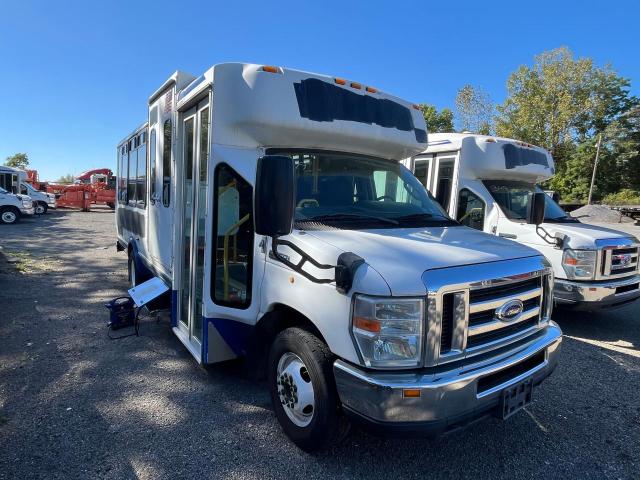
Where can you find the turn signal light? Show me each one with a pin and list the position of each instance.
(366, 324)
(411, 392)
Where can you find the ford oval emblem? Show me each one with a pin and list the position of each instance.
(509, 310)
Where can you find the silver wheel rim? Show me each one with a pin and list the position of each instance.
(39, 209)
(9, 217)
(295, 389)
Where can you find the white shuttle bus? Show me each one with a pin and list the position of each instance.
(489, 183)
(15, 180)
(274, 204)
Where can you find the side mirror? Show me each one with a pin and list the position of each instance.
(536, 212)
(274, 198)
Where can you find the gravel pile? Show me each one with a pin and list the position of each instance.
(599, 214)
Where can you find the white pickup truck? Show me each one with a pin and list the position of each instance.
(12, 206)
(489, 183)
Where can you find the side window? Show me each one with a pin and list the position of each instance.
(23, 190)
(152, 162)
(131, 177)
(166, 164)
(122, 175)
(471, 210)
(445, 181)
(421, 171)
(233, 234)
(141, 183)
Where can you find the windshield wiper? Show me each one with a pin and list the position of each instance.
(346, 217)
(424, 216)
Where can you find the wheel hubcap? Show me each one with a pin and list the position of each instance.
(295, 389)
(39, 209)
(9, 217)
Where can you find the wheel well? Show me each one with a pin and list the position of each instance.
(279, 318)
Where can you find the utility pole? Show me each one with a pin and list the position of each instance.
(595, 167)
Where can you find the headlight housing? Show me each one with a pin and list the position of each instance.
(388, 332)
(579, 264)
(27, 203)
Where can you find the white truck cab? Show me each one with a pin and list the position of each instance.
(489, 183)
(274, 204)
(14, 180)
(12, 206)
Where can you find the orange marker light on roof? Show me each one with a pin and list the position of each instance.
(411, 393)
(371, 90)
(270, 69)
(340, 81)
(416, 106)
(356, 85)
(490, 140)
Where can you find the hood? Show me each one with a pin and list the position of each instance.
(582, 235)
(402, 255)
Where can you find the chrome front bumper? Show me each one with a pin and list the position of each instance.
(450, 396)
(28, 211)
(595, 295)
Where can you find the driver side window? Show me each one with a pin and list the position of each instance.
(471, 209)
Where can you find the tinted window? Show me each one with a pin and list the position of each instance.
(131, 177)
(445, 180)
(166, 164)
(421, 171)
(514, 199)
(141, 181)
(152, 162)
(471, 210)
(233, 234)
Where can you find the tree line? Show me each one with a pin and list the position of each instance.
(563, 104)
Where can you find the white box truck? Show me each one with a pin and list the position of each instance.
(489, 183)
(274, 204)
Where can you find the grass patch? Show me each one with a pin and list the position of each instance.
(13, 261)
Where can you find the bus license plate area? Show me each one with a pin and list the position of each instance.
(516, 397)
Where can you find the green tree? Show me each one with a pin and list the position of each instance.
(475, 110)
(19, 160)
(437, 121)
(68, 178)
(561, 103)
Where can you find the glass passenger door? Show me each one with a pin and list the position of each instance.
(195, 159)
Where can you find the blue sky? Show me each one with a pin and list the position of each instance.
(75, 76)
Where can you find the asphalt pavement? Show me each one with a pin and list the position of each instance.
(76, 404)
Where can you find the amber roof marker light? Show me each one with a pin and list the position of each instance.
(270, 69)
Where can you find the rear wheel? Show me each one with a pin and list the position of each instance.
(302, 388)
(41, 208)
(9, 215)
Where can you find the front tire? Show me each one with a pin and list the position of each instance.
(41, 208)
(302, 388)
(9, 215)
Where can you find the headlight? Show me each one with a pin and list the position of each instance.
(388, 331)
(27, 203)
(579, 264)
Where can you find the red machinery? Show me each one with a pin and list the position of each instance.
(91, 187)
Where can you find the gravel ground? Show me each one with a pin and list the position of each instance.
(75, 404)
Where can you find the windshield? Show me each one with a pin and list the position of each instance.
(514, 199)
(357, 192)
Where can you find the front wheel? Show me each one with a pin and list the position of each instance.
(41, 208)
(302, 388)
(9, 215)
